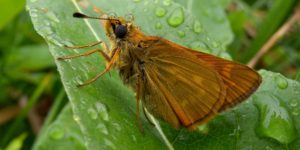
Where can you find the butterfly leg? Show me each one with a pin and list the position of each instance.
(138, 100)
(108, 67)
(103, 54)
(84, 46)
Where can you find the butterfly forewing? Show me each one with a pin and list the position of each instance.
(240, 80)
(191, 89)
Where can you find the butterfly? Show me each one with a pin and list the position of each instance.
(183, 87)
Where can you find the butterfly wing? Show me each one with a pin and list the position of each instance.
(179, 87)
(240, 80)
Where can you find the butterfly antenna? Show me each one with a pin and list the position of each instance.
(81, 15)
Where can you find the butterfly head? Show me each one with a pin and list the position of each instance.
(118, 29)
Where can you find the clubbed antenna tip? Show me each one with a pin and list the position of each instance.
(79, 15)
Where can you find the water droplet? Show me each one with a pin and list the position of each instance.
(214, 44)
(160, 12)
(136, 1)
(56, 133)
(296, 111)
(197, 27)
(27, 8)
(268, 148)
(294, 102)
(133, 138)
(158, 25)
(181, 34)
(197, 45)
(102, 127)
(33, 14)
(145, 10)
(109, 143)
(34, 10)
(226, 56)
(167, 2)
(117, 126)
(76, 118)
(281, 82)
(52, 16)
(176, 18)
(92, 113)
(77, 78)
(275, 121)
(204, 129)
(46, 30)
(102, 110)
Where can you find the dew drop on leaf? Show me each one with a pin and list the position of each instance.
(268, 148)
(226, 56)
(176, 18)
(136, 1)
(296, 111)
(109, 143)
(197, 45)
(158, 25)
(116, 126)
(214, 44)
(294, 102)
(102, 110)
(77, 78)
(160, 12)
(281, 82)
(56, 133)
(197, 27)
(181, 34)
(167, 2)
(102, 128)
(92, 113)
(76, 118)
(52, 16)
(275, 121)
(33, 12)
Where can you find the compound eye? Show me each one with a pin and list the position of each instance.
(121, 31)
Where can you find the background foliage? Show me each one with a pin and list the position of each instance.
(102, 116)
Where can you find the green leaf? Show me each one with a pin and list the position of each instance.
(105, 110)
(63, 133)
(20, 62)
(9, 9)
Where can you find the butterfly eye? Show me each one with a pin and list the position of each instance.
(121, 31)
(129, 18)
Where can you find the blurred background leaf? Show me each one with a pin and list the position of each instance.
(11, 9)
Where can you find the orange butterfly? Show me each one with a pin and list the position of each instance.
(181, 86)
